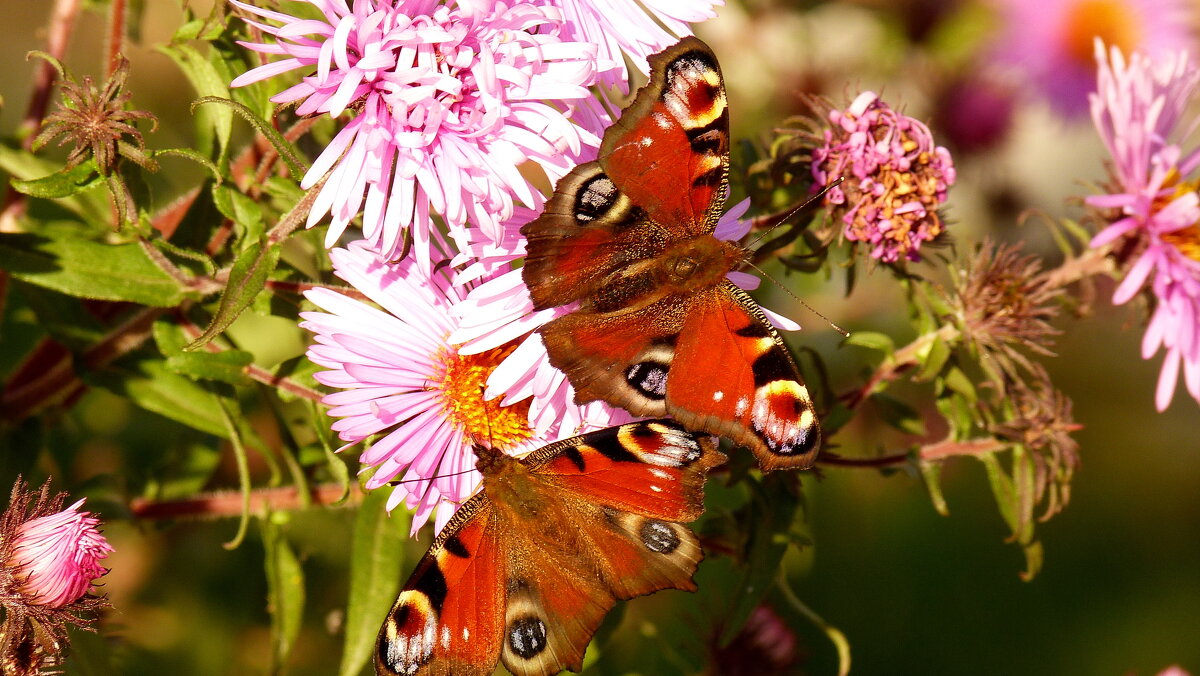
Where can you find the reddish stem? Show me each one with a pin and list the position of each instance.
(229, 503)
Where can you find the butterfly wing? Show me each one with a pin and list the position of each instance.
(449, 615)
(661, 175)
(608, 506)
(753, 395)
(669, 151)
(710, 359)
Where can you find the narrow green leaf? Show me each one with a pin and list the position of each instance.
(86, 269)
(880, 342)
(835, 635)
(285, 592)
(227, 366)
(377, 556)
(286, 151)
(189, 154)
(932, 473)
(228, 406)
(957, 381)
(64, 183)
(1034, 556)
(247, 279)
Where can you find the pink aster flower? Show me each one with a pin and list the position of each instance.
(1140, 110)
(627, 28)
(499, 311)
(49, 559)
(397, 375)
(895, 178)
(1049, 42)
(445, 102)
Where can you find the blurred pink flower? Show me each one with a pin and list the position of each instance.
(1049, 42)
(397, 375)
(56, 557)
(1140, 110)
(627, 28)
(446, 102)
(895, 177)
(499, 311)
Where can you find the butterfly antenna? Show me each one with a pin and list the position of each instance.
(836, 182)
(763, 273)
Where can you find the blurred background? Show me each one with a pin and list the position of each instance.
(914, 592)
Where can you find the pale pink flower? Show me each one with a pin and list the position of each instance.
(57, 556)
(630, 28)
(895, 178)
(499, 311)
(1140, 110)
(1049, 42)
(445, 102)
(397, 375)
(49, 560)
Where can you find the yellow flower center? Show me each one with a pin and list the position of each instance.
(1113, 21)
(461, 383)
(1186, 240)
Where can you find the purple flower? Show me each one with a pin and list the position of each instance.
(1140, 110)
(398, 375)
(445, 103)
(627, 28)
(1049, 42)
(895, 178)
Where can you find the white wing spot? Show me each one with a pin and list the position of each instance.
(656, 489)
(718, 395)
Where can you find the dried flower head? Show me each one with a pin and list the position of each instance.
(895, 177)
(49, 559)
(1004, 304)
(96, 122)
(1039, 419)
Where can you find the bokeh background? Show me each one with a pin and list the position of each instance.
(914, 592)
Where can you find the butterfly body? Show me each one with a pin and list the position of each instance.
(659, 329)
(527, 568)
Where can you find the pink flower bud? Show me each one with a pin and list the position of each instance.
(56, 557)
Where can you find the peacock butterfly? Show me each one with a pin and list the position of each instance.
(659, 329)
(527, 568)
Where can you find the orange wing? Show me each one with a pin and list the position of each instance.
(449, 616)
(526, 571)
(733, 376)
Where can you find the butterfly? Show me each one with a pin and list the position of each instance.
(659, 329)
(527, 568)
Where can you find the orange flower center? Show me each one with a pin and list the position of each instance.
(1113, 21)
(462, 381)
(1186, 240)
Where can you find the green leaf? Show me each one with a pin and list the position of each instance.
(237, 207)
(212, 123)
(247, 279)
(63, 317)
(899, 414)
(769, 518)
(64, 183)
(377, 556)
(227, 366)
(150, 385)
(91, 206)
(932, 473)
(880, 342)
(86, 269)
(957, 381)
(285, 592)
(933, 360)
